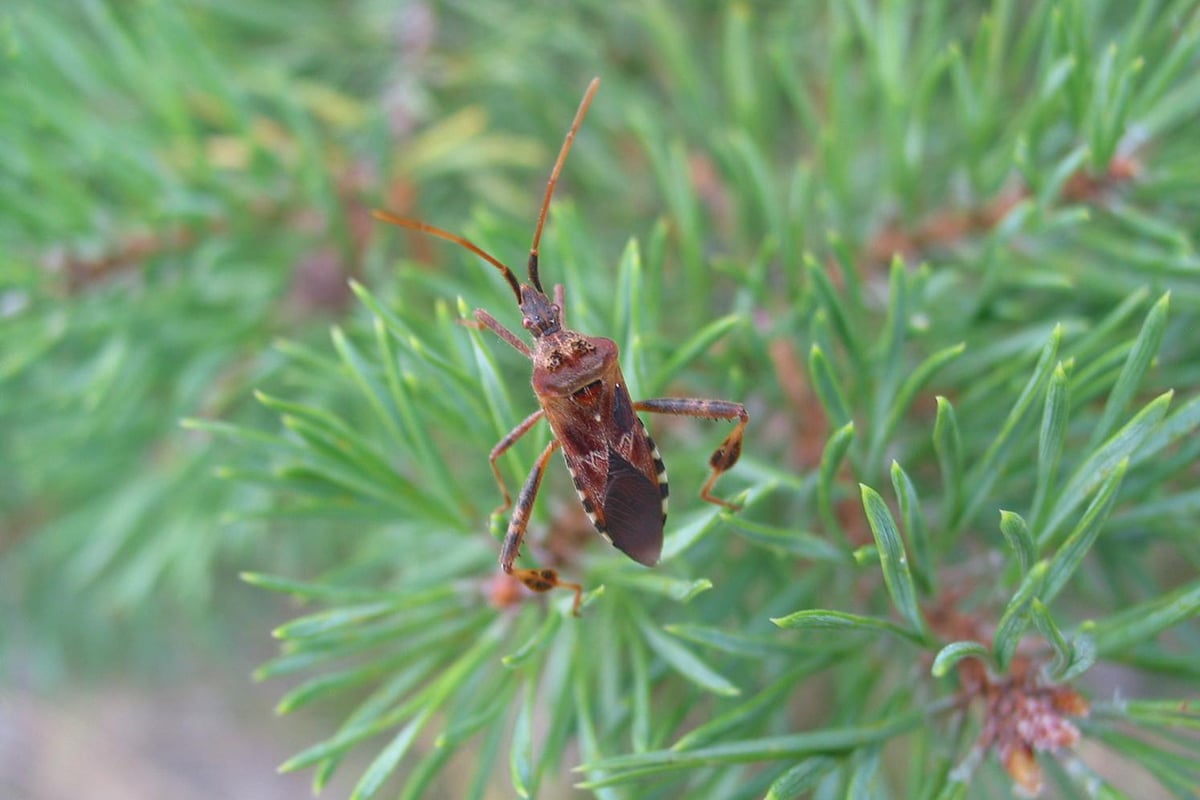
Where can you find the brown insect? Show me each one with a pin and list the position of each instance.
(618, 472)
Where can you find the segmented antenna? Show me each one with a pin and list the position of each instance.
(417, 225)
(562, 156)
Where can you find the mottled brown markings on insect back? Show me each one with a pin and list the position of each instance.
(615, 466)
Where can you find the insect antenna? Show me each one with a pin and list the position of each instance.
(416, 225)
(562, 156)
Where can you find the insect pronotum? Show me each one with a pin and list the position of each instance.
(618, 472)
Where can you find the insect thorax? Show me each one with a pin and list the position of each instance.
(567, 361)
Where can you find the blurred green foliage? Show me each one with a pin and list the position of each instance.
(944, 252)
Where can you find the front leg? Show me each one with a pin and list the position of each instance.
(725, 456)
(538, 580)
(560, 300)
(486, 320)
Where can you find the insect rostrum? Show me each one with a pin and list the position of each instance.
(618, 472)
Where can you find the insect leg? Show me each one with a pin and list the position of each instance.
(486, 320)
(502, 447)
(560, 300)
(725, 456)
(539, 580)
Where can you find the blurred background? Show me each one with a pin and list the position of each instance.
(182, 186)
(185, 192)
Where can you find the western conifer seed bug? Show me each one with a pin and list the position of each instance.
(618, 472)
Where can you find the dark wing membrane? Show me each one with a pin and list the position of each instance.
(613, 462)
(633, 511)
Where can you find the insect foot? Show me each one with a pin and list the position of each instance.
(545, 579)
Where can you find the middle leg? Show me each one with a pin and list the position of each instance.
(502, 447)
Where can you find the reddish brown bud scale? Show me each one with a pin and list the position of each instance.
(616, 467)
